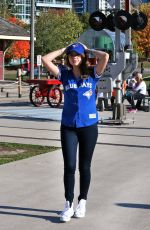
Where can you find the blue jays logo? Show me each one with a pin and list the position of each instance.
(88, 94)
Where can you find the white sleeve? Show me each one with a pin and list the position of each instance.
(141, 87)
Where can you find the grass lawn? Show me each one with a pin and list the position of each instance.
(12, 75)
(146, 64)
(13, 152)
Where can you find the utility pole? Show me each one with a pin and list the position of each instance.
(118, 106)
(128, 32)
(32, 39)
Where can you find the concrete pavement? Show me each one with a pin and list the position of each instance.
(31, 190)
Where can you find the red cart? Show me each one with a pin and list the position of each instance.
(48, 88)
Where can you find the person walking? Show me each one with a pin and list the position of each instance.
(142, 67)
(79, 119)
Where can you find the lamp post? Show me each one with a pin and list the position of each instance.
(32, 40)
(117, 47)
(128, 32)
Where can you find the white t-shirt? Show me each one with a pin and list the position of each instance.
(141, 87)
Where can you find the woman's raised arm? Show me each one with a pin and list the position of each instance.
(48, 61)
(102, 60)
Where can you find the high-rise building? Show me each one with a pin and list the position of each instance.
(79, 6)
(23, 7)
(103, 5)
(97, 5)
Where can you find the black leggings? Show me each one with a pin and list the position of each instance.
(86, 137)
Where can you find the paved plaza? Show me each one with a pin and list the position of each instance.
(31, 190)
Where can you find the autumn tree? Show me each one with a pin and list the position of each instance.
(141, 39)
(16, 21)
(18, 49)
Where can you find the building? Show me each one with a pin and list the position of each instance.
(44, 5)
(23, 7)
(94, 5)
(9, 32)
(79, 6)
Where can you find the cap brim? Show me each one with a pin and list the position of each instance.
(71, 51)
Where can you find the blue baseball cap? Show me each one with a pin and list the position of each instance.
(75, 47)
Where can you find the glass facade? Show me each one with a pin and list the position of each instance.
(101, 5)
(23, 7)
(97, 5)
(79, 6)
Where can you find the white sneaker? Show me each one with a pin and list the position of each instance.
(81, 209)
(67, 213)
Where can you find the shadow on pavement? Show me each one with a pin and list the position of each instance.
(123, 135)
(27, 118)
(27, 128)
(29, 137)
(13, 104)
(122, 127)
(124, 145)
(53, 219)
(132, 205)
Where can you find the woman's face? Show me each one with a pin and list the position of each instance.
(75, 59)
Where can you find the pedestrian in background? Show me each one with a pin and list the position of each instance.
(79, 119)
(142, 67)
(138, 93)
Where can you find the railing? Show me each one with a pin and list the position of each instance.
(55, 2)
(14, 89)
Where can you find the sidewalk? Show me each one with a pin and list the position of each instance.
(31, 190)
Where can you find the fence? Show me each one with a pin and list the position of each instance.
(14, 89)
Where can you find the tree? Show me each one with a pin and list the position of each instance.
(16, 21)
(84, 18)
(69, 29)
(6, 8)
(55, 30)
(18, 49)
(141, 39)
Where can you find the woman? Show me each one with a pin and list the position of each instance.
(79, 119)
(138, 92)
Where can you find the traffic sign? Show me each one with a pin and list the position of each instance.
(39, 62)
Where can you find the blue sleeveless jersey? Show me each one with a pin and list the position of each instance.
(79, 108)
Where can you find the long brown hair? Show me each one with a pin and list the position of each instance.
(84, 68)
